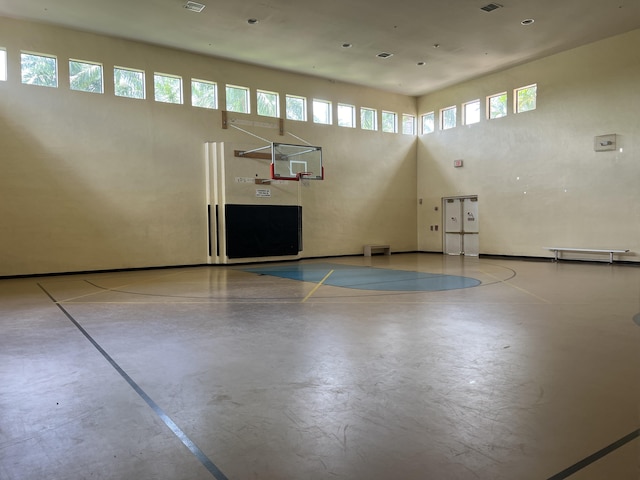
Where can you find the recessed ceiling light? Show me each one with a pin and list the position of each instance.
(528, 21)
(252, 21)
(384, 55)
(194, 6)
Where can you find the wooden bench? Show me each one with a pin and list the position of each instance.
(557, 251)
(386, 249)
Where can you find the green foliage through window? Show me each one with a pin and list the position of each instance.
(296, 108)
(497, 105)
(526, 98)
(237, 99)
(128, 83)
(204, 94)
(42, 70)
(368, 119)
(408, 124)
(39, 70)
(86, 77)
(389, 122)
(167, 89)
(268, 103)
(428, 123)
(449, 117)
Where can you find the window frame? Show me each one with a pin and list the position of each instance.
(277, 103)
(412, 119)
(394, 116)
(352, 119)
(4, 74)
(87, 62)
(374, 113)
(516, 98)
(215, 93)
(505, 104)
(443, 117)
(44, 56)
(143, 83)
(168, 76)
(327, 110)
(465, 113)
(303, 100)
(247, 93)
(431, 114)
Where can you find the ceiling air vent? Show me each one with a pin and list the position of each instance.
(491, 7)
(384, 55)
(194, 6)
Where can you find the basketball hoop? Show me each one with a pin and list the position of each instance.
(301, 175)
(295, 162)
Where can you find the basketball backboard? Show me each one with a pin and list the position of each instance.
(292, 162)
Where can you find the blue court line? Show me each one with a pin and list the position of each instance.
(596, 456)
(368, 278)
(195, 450)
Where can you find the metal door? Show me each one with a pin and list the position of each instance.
(452, 226)
(461, 232)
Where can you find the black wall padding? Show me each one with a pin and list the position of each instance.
(263, 230)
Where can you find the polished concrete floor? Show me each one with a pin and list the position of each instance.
(530, 371)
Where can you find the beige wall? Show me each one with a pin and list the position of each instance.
(575, 197)
(94, 181)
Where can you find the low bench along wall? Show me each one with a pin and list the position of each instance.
(611, 251)
(368, 249)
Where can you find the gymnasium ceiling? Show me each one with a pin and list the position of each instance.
(455, 39)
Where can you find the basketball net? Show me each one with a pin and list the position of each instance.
(301, 177)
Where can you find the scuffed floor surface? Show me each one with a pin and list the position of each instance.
(526, 370)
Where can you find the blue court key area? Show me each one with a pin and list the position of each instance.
(368, 278)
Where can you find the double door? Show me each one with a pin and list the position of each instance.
(461, 233)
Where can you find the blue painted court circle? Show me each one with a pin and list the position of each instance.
(367, 278)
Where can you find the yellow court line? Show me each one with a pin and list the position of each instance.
(517, 288)
(316, 287)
